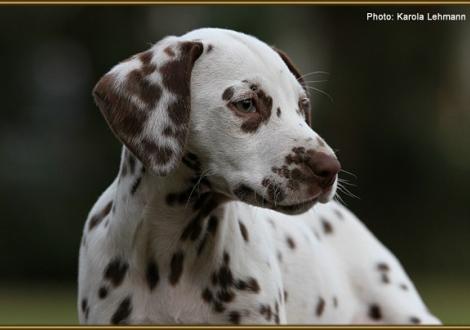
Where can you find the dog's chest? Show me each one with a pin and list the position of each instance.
(256, 267)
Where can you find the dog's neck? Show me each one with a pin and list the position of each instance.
(165, 213)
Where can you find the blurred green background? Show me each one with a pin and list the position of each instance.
(399, 120)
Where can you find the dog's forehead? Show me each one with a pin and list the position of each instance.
(231, 55)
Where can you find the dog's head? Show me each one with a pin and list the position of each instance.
(232, 100)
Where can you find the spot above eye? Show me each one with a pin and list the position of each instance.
(228, 94)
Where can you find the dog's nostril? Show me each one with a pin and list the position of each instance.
(324, 174)
(325, 167)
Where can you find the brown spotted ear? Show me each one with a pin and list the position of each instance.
(146, 102)
(297, 75)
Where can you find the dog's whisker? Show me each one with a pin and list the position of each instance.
(312, 73)
(339, 199)
(347, 172)
(346, 182)
(321, 92)
(314, 81)
(202, 176)
(346, 191)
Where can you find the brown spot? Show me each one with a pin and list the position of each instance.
(290, 242)
(176, 74)
(136, 185)
(266, 311)
(225, 277)
(278, 112)
(285, 295)
(226, 257)
(124, 118)
(115, 271)
(264, 105)
(123, 311)
(250, 285)
(335, 302)
(176, 267)
(279, 256)
(234, 317)
(146, 57)
(321, 143)
(385, 279)
(202, 244)
(97, 218)
(214, 279)
(123, 172)
(243, 231)
(212, 225)
(210, 48)
(131, 161)
(276, 314)
(153, 153)
(225, 295)
(193, 229)
(404, 287)
(169, 51)
(218, 307)
(138, 85)
(207, 295)
(102, 292)
(85, 308)
(415, 320)
(327, 227)
(320, 307)
(168, 131)
(228, 94)
(152, 275)
(383, 267)
(374, 312)
(275, 192)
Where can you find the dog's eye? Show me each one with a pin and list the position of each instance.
(246, 105)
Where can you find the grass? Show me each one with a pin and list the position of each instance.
(56, 305)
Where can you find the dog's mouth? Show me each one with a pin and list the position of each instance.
(250, 196)
(296, 208)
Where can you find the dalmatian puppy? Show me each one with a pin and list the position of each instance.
(222, 210)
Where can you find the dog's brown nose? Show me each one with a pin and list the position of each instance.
(325, 167)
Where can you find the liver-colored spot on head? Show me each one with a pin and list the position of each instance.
(228, 94)
(383, 267)
(263, 106)
(169, 52)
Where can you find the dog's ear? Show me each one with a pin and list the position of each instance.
(146, 102)
(293, 68)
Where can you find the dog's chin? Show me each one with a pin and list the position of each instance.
(248, 195)
(295, 208)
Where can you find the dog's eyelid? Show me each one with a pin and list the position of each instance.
(244, 96)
